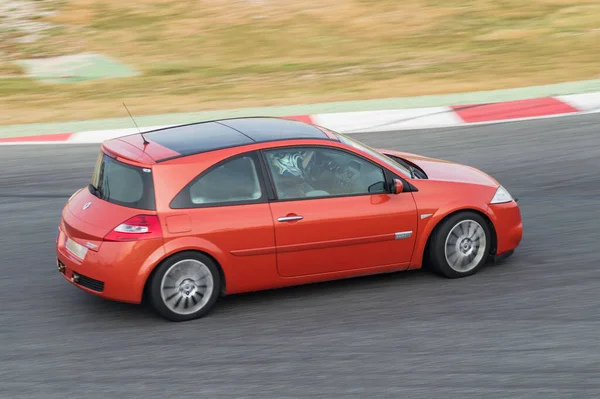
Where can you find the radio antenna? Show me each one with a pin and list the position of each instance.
(136, 125)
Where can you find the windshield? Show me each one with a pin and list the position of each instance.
(401, 169)
(122, 184)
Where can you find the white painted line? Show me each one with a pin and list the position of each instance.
(471, 124)
(98, 136)
(36, 143)
(388, 120)
(586, 102)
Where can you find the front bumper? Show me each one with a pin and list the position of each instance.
(509, 228)
(500, 257)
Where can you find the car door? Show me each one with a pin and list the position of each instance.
(333, 212)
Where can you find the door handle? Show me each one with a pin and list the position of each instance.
(289, 218)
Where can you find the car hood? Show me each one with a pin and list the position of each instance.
(437, 169)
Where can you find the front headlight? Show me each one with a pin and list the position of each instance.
(501, 196)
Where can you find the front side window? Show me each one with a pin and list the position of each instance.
(233, 181)
(304, 172)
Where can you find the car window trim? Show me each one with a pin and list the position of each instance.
(254, 156)
(387, 174)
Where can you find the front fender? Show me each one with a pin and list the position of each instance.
(427, 224)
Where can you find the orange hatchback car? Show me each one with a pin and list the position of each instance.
(184, 215)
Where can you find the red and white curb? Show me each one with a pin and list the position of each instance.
(384, 120)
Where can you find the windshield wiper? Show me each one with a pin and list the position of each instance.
(95, 191)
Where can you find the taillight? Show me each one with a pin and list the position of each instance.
(140, 227)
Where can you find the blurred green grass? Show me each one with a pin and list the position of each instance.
(214, 54)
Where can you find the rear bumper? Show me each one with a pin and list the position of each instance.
(84, 282)
(118, 271)
(509, 228)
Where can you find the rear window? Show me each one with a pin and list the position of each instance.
(122, 184)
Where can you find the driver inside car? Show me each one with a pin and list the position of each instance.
(290, 169)
(301, 173)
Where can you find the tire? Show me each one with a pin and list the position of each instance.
(185, 287)
(463, 237)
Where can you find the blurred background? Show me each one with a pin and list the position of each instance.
(63, 60)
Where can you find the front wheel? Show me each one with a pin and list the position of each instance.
(185, 286)
(460, 245)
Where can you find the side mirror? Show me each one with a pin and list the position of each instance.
(397, 186)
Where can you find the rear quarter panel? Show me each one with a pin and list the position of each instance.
(239, 237)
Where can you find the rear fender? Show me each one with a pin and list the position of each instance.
(173, 246)
(147, 267)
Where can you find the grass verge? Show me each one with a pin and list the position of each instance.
(213, 54)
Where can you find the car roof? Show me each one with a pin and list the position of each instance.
(196, 138)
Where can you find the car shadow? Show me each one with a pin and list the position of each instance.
(240, 304)
(330, 289)
(320, 290)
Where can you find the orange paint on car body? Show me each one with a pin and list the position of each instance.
(266, 238)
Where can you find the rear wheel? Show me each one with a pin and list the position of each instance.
(460, 245)
(185, 286)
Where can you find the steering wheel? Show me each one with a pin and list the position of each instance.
(314, 168)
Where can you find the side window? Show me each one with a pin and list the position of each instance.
(233, 181)
(301, 172)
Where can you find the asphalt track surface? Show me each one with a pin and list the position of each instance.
(525, 328)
